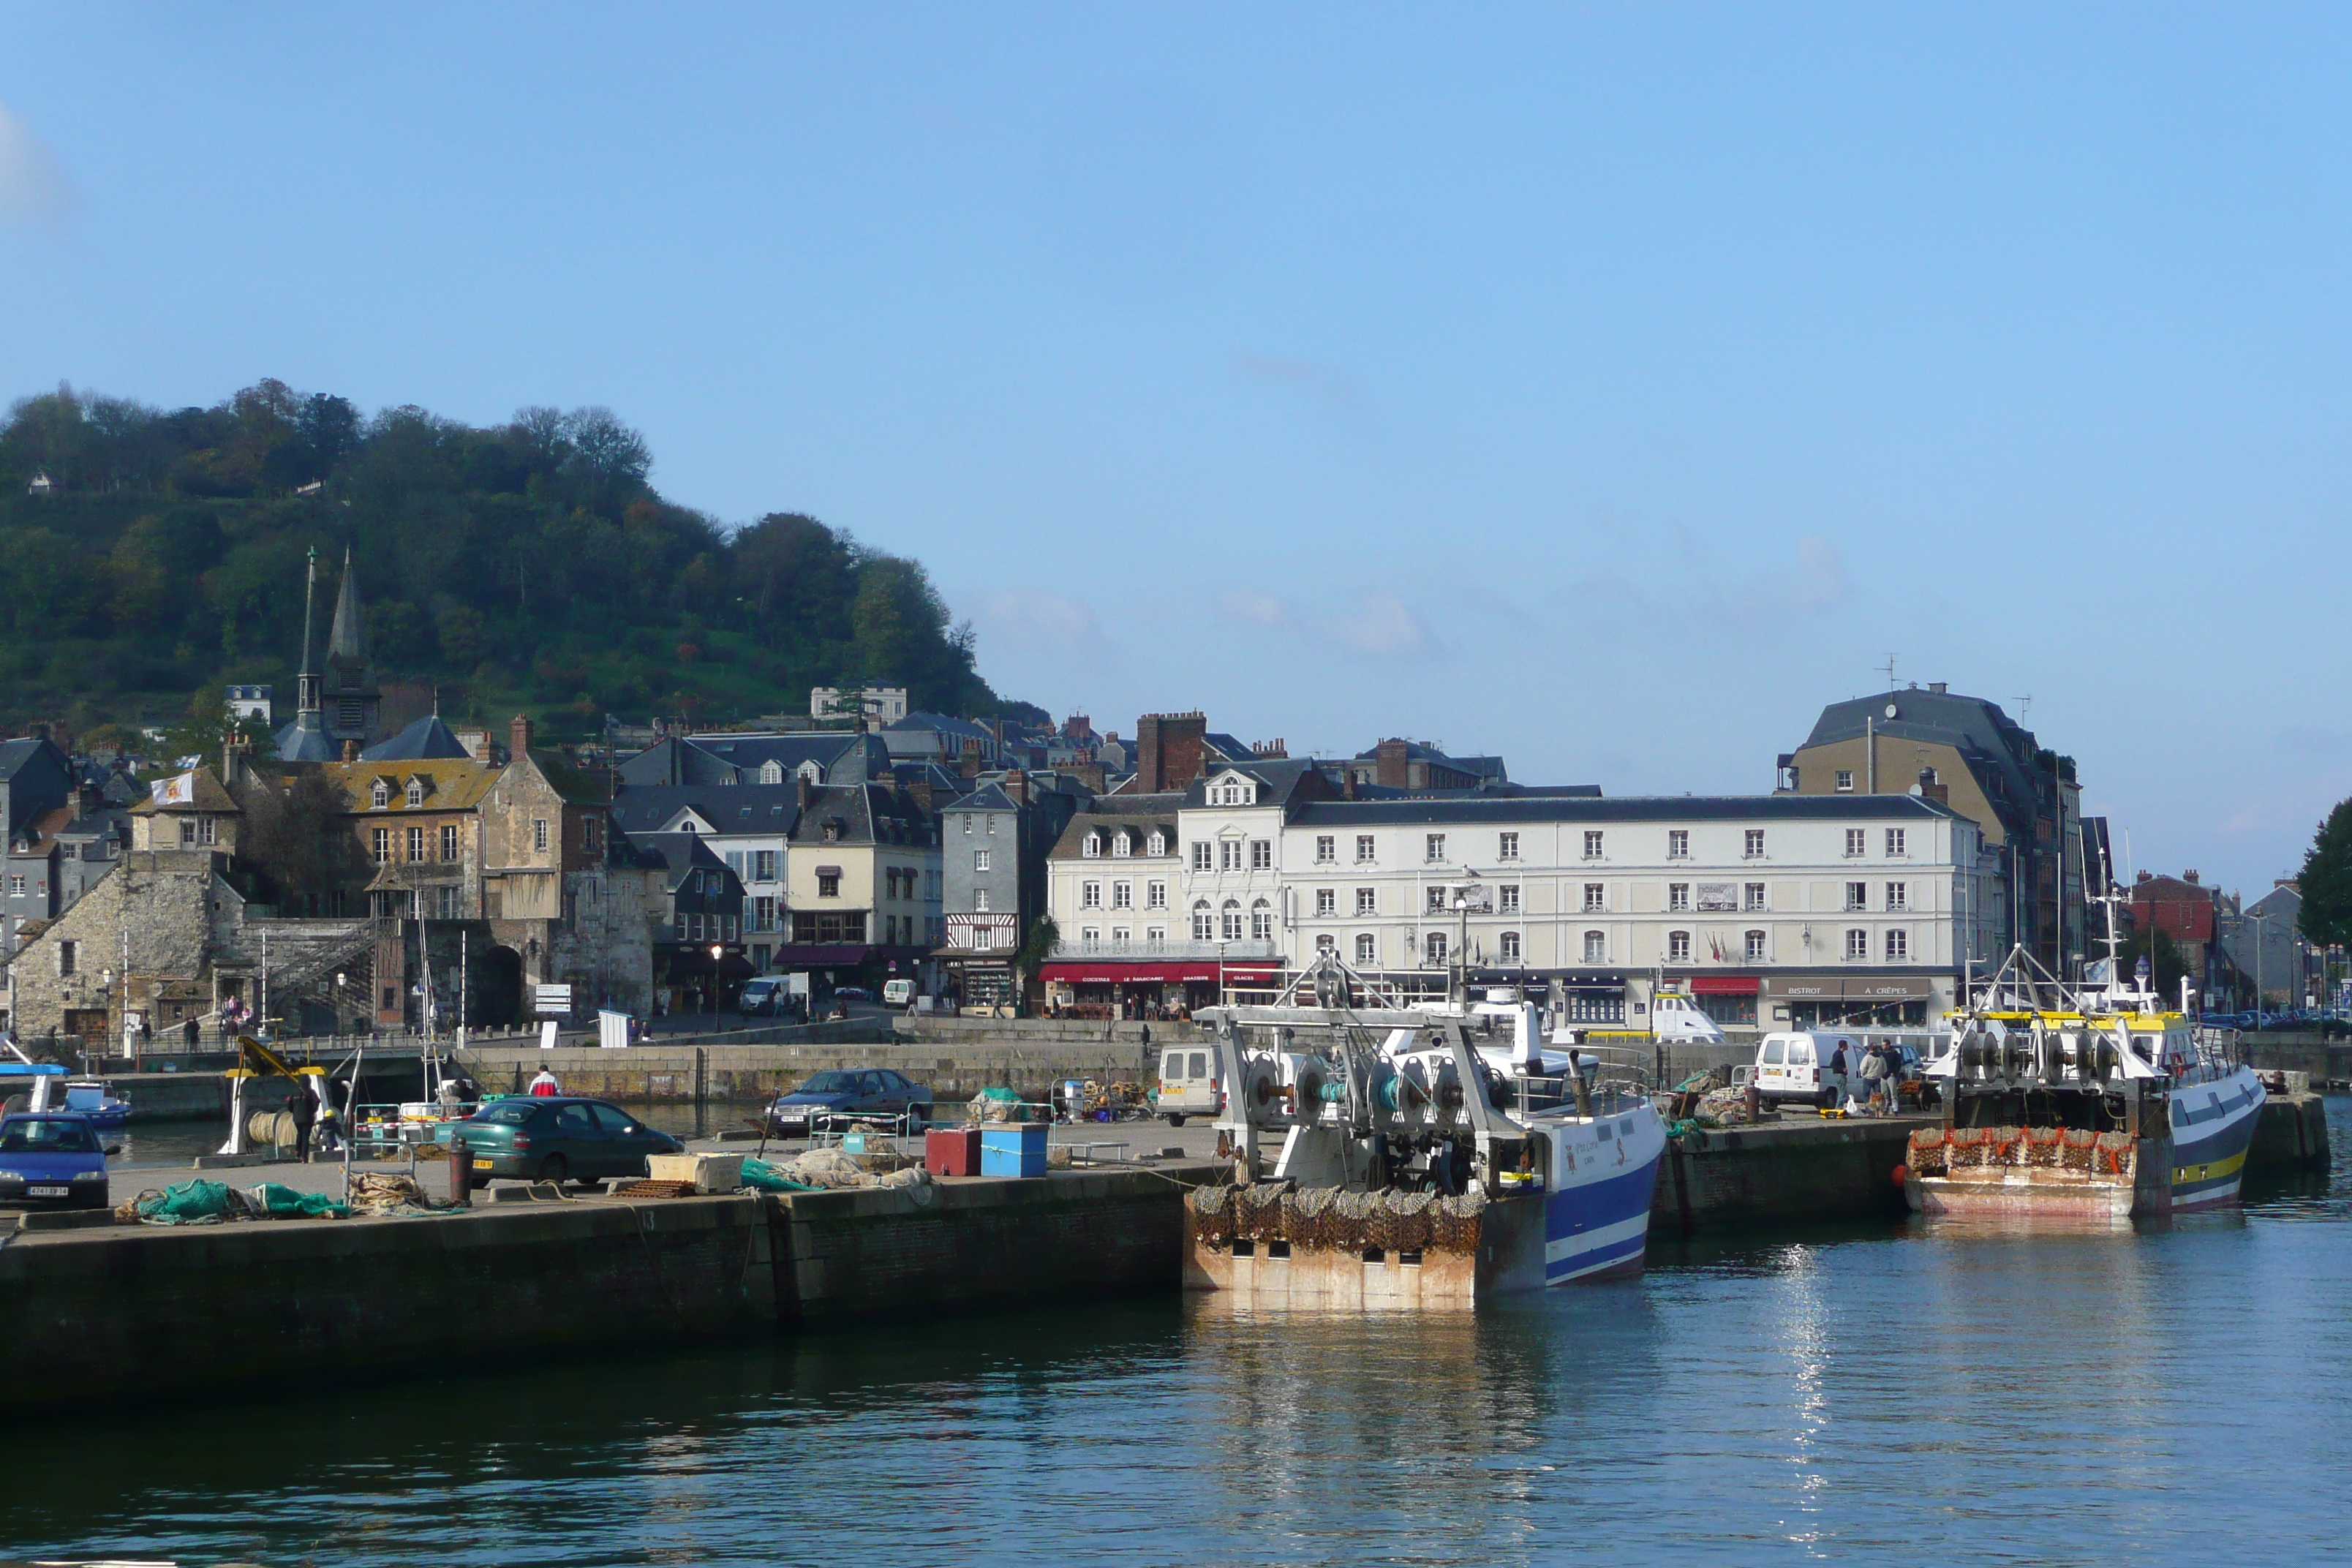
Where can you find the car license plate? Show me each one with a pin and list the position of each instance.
(49, 1192)
(481, 1164)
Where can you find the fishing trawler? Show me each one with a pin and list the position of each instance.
(1391, 1157)
(2095, 1100)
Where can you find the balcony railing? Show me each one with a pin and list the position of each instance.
(1240, 952)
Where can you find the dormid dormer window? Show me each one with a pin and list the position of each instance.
(381, 795)
(1091, 846)
(771, 771)
(416, 791)
(1122, 845)
(1158, 841)
(833, 830)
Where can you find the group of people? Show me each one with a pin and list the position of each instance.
(1871, 1081)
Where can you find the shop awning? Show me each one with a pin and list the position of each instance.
(1851, 988)
(1129, 972)
(1724, 985)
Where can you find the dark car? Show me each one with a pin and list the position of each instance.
(51, 1161)
(852, 994)
(839, 1098)
(555, 1138)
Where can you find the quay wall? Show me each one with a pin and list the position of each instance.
(663, 1073)
(1780, 1173)
(2290, 1136)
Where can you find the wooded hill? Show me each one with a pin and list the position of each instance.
(525, 566)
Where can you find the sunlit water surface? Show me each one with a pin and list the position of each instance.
(1883, 1394)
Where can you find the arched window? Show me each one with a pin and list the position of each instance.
(1158, 841)
(1368, 950)
(1091, 847)
(1261, 921)
(1507, 945)
(1204, 924)
(381, 795)
(1230, 925)
(1326, 944)
(771, 771)
(1596, 947)
(1122, 844)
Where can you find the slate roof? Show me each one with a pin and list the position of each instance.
(304, 741)
(459, 782)
(1135, 814)
(14, 754)
(210, 796)
(428, 737)
(1287, 779)
(680, 853)
(859, 809)
(1485, 808)
(736, 808)
(1988, 738)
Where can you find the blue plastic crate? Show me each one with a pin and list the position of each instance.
(1013, 1149)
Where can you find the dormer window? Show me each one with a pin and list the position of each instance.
(381, 795)
(1122, 845)
(812, 773)
(416, 791)
(1158, 841)
(1091, 846)
(771, 771)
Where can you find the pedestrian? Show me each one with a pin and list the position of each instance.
(545, 1084)
(1834, 1089)
(188, 1032)
(1874, 1077)
(298, 1106)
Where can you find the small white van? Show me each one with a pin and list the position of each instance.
(898, 993)
(1797, 1066)
(1187, 1084)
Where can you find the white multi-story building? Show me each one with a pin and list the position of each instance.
(1769, 908)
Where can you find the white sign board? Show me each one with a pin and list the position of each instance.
(612, 1030)
(552, 999)
(547, 1035)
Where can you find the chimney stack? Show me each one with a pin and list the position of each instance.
(1392, 764)
(802, 790)
(350, 751)
(518, 737)
(1016, 786)
(1170, 749)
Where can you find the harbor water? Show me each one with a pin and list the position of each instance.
(1908, 1392)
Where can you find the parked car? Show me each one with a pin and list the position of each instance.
(843, 1097)
(852, 994)
(52, 1159)
(898, 993)
(555, 1138)
(1187, 1084)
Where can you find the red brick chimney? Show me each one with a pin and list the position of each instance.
(1016, 786)
(1392, 764)
(518, 737)
(1169, 748)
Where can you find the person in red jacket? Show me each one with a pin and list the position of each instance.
(545, 1083)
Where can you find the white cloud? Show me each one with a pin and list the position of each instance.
(1251, 608)
(1382, 623)
(33, 188)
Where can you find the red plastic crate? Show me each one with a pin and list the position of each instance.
(951, 1151)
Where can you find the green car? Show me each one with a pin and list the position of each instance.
(555, 1138)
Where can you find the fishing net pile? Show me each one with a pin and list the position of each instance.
(1941, 1150)
(1342, 1221)
(200, 1201)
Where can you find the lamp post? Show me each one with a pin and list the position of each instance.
(2258, 934)
(716, 949)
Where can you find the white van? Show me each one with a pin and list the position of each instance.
(1797, 1066)
(1188, 1083)
(898, 993)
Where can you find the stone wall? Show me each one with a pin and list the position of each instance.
(691, 1074)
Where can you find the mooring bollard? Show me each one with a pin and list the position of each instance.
(461, 1173)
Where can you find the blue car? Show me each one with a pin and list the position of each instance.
(836, 1099)
(51, 1160)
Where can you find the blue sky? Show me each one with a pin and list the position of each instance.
(1606, 387)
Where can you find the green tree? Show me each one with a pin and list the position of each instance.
(2326, 880)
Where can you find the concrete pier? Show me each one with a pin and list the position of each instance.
(2291, 1136)
(1786, 1170)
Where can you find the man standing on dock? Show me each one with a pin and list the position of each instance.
(545, 1084)
(298, 1107)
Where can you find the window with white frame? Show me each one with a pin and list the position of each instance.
(1857, 842)
(1327, 945)
(1895, 841)
(1507, 946)
(1368, 950)
(1090, 895)
(980, 900)
(1261, 921)
(1326, 849)
(1121, 935)
(1204, 922)
(1678, 896)
(1090, 936)
(1507, 899)
(1327, 902)
(1898, 946)
(380, 795)
(1678, 947)
(763, 865)
(1755, 947)
(1261, 853)
(1845, 781)
(1596, 897)
(1677, 844)
(1433, 899)
(979, 859)
(1122, 895)
(1433, 948)
(1155, 936)
(1435, 848)
(1201, 854)
(1857, 895)
(1592, 844)
(1091, 846)
(1122, 844)
(1898, 896)
(1368, 901)
(1364, 850)
(1506, 846)
(416, 791)
(1754, 844)
(1596, 947)
(1229, 855)
(1857, 944)
(1230, 920)
(539, 832)
(1155, 895)
(1158, 844)
(1755, 896)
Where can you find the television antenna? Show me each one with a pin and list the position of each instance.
(1888, 669)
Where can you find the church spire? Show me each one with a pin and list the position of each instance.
(348, 641)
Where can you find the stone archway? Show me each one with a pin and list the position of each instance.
(497, 1002)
